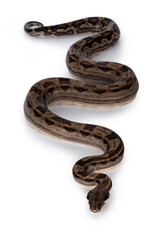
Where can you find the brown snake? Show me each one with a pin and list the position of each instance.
(106, 84)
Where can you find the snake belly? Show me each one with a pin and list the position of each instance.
(106, 84)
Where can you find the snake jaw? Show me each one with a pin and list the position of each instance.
(97, 198)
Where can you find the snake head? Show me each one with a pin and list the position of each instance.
(97, 198)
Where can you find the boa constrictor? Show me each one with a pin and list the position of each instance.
(106, 84)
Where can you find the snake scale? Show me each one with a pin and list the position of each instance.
(105, 84)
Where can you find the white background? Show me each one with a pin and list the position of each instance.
(39, 198)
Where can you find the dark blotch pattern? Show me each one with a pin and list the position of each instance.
(86, 65)
(61, 120)
(99, 91)
(97, 136)
(84, 133)
(105, 68)
(71, 59)
(111, 136)
(28, 104)
(50, 90)
(40, 100)
(79, 23)
(108, 35)
(69, 129)
(47, 84)
(105, 141)
(122, 88)
(89, 127)
(36, 90)
(36, 113)
(93, 21)
(65, 87)
(49, 121)
(42, 109)
(64, 81)
(80, 89)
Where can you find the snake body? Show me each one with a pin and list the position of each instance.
(107, 84)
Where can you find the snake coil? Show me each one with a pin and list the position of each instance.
(106, 84)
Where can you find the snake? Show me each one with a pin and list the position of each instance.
(101, 84)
